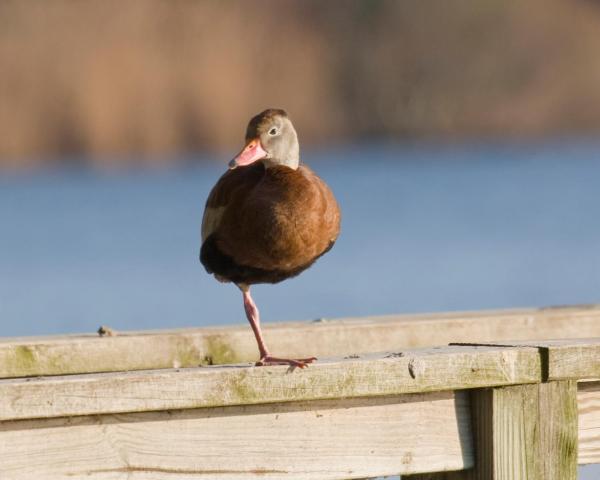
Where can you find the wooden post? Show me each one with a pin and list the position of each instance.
(522, 432)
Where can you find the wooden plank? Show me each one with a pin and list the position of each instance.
(589, 422)
(588, 405)
(322, 440)
(525, 432)
(324, 338)
(424, 370)
(573, 359)
(562, 359)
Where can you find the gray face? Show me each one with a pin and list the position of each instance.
(277, 136)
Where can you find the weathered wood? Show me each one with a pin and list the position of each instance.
(562, 359)
(420, 370)
(192, 347)
(358, 416)
(522, 432)
(321, 440)
(525, 432)
(588, 401)
(578, 359)
(557, 434)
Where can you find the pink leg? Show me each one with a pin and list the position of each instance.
(265, 357)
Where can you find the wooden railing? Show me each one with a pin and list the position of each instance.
(453, 396)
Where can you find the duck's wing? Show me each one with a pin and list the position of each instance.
(228, 192)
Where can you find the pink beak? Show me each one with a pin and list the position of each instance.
(252, 152)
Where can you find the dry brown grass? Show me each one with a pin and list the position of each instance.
(145, 79)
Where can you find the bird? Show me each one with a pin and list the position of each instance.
(268, 218)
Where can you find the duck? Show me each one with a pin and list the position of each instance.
(268, 218)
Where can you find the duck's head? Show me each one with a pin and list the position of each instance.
(270, 138)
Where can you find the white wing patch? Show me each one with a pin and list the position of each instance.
(211, 220)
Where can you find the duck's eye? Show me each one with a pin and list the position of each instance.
(273, 131)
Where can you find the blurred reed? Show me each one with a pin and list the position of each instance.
(145, 80)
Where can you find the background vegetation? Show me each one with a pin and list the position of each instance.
(146, 80)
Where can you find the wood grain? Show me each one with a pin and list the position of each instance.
(577, 358)
(589, 422)
(413, 371)
(332, 439)
(74, 354)
(525, 432)
(522, 432)
(355, 416)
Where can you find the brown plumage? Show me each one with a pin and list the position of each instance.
(267, 218)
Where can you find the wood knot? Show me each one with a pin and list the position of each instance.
(414, 368)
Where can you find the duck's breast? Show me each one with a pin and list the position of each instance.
(287, 220)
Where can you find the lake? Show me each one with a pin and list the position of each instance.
(425, 228)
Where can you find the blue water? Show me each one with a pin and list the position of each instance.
(425, 228)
